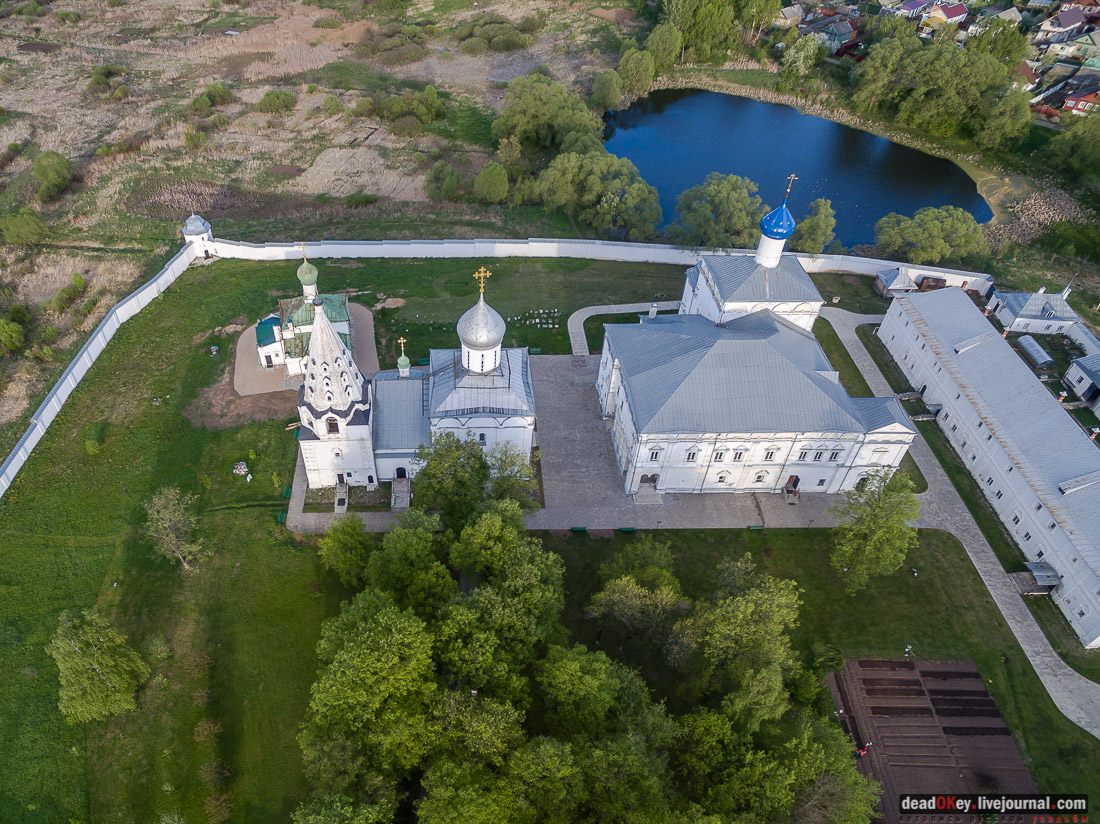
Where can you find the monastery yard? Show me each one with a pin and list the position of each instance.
(242, 629)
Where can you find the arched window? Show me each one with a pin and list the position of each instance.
(333, 426)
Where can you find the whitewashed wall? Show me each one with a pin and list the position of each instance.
(532, 247)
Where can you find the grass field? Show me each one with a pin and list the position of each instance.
(856, 292)
(242, 628)
(945, 613)
(853, 381)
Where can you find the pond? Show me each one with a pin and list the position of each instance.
(676, 137)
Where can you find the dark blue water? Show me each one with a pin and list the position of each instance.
(676, 137)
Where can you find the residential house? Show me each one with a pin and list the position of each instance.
(789, 17)
(1082, 104)
(1035, 312)
(1062, 26)
(1090, 8)
(1084, 46)
(1025, 77)
(944, 14)
(912, 10)
(1083, 378)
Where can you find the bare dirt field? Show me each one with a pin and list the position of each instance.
(220, 407)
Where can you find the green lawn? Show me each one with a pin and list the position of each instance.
(242, 628)
(856, 292)
(856, 385)
(945, 613)
(1053, 623)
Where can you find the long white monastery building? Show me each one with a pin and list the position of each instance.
(1036, 466)
(734, 393)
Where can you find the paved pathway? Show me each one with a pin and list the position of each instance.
(941, 508)
(575, 324)
(364, 348)
(249, 378)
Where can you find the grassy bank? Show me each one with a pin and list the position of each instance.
(945, 613)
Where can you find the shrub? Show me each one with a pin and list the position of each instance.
(444, 181)
(15, 148)
(121, 92)
(219, 122)
(24, 228)
(47, 333)
(206, 731)
(360, 199)
(331, 105)
(277, 101)
(87, 307)
(408, 53)
(201, 106)
(476, 46)
(364, 107)
(510, 41)
(636, 72)
(18, 313)
(54, 173)
(218, 94)
(425, 105)
(67, 294)
(407, 126)
(11, 337)
(194, 139)
(327, 23)
(607, 90)
(491, 183)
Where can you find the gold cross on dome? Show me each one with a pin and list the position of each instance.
(791, 179)
(402, 341)
(481, 275)
(303, 250)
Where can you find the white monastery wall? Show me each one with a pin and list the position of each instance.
(200, 246)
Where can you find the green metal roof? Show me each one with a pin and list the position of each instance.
(298, 346)
(299, 310)
(265, 331)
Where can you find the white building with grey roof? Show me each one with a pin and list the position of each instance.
(1039, 312)
(734, 393)
(1034, 463)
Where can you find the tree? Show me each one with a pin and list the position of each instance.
(11, 336)
(170, 526)
(1077, 147)
(1006, 121)
(709, 27)
(664, 43)
(408, 566)
(604, 191)
(579, 689)
(452, 478)
(815, 231)
(886, 26)
(800, 58)
(491, 183)
(345, 548)
(99, 671)
(370, 714)
(636, 72)
(482, 728)
(54, 173)
(875, 534)
(931, 235)
(607, 90)
(723, 211)
(24, 228)
(756, 15)
(539, 112)
(1001, 39)
(511, 475)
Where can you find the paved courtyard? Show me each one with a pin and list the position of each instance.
(584, 487)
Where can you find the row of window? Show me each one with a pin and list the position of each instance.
(739, 455)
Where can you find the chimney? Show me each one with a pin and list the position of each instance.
(652, 310)
(1042, 290)
(1065, 292)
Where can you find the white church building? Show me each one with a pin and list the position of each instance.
(734, 393)
(358, 431)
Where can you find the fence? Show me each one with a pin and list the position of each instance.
(206, 246)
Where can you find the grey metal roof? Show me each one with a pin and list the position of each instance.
(756, 373)
(897, 278)
(400, 419)
(740, 278)
(1036, 305)
(1090, 366)
(1044, 441)
(506, 390)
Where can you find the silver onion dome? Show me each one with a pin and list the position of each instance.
(481, 327)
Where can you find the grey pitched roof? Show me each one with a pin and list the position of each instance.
(505, 390)
(400, 419)
(741, 278)
(897, 278)
(1046, 444)
(756, 373)
(1036, 305)
(1090, 365)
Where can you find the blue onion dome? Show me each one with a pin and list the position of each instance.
(778, 223)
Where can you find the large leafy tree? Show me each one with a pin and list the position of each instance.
(815, 231)
(344, 548)
(875, 532)
(452, 477)
(99, 671)
(1002, 40)
(408, 566)
(604, 191)
(664, 43)
(724, 211)
(931, 235)
(1077, 147)
(23, 228)
(539, 112)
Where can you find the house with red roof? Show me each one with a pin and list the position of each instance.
(945, 14)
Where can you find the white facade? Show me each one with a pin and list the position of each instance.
(1038, 313)
(1035, 465)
